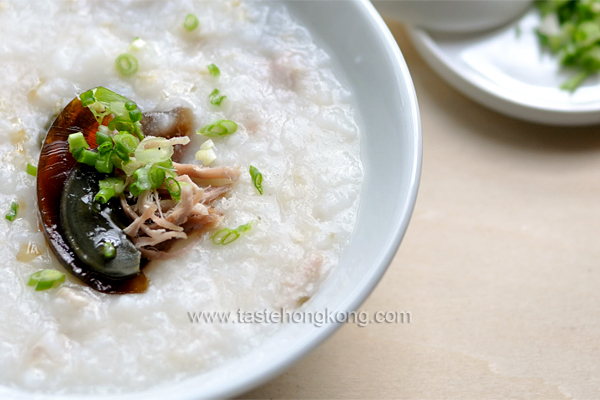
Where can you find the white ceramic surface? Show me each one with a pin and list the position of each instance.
(453, 15)
(391, 146)
(506, 70)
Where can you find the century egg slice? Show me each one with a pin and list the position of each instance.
(68, 237)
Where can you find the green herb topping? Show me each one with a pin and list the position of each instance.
(226, 236)
(216, 98)
(191, 22)
(46, 279)
(571, 30)
(12, 214)
(126, 64)
(220, 128)
(257, 178)
(214, 70)
(31, 170)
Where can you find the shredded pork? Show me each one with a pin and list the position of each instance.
(158, 220)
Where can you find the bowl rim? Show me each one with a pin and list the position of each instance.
(285, 361)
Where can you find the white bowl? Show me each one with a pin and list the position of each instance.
(391, 145)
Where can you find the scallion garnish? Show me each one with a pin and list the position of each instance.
(14, 209)
(104, 162)
(156, 175)
(109, 188)
(571, 30)
(130, 106)
(191, 22)
(135, 115)
(31, 170)
(105, 147)
(215, 97)
(87, 98)
(77, 141)
(174, 188)
(125, 144)
(85, 156)
(126, 64)
(257, 178)
(206, 154)
(102, 138)
(214, 70)
(226, 236)
(104, 195)
(220, 128)
(46, 279)
(141, 181)
(109, 251)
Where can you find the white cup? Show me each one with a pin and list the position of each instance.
(453, 15)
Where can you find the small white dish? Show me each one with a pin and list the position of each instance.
(507, 70)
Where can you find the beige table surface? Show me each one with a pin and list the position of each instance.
(500, 268)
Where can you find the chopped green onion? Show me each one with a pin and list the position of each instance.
(108, 102)
(191, 22)
(129, 167)
(121, 125)
(104, 163)
(246, 227)
(166, 165)
(153, 150)
(121, 152)
(87, 98)
(77, 141)
(130, 106)
(174, 188)
(571, 30)
(109, 187)
(86, 156)
(107, 97)
(46, 279)
(105, 147)
(214, 70)
(226, 236)
(113, 182)
(126, 64)
(12, 214)
(220, 128)
(104, 195)
(136, 189)
(31, 170)
(102, 138)
(215, 99)
(156, 175)
(206, 154)
(109, 251)
(135, 115)
(141, 181)
(125, 144)
(257, 179)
